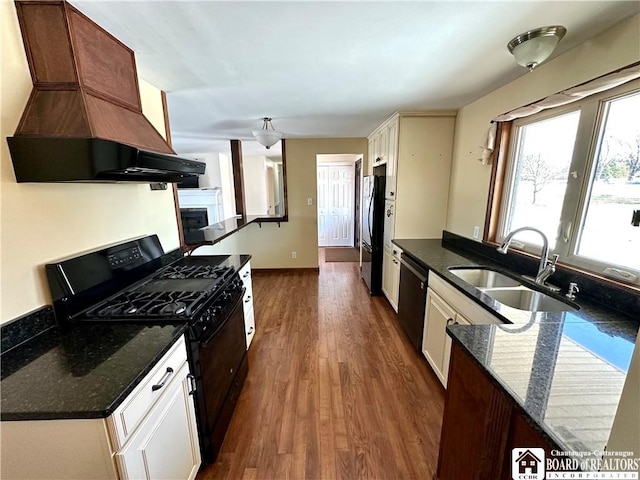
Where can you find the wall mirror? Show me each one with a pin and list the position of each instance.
(242, 178)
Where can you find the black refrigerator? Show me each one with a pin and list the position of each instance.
(373, 190)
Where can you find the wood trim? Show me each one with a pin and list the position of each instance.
(111, 99)
(285, 215)
(268, 271)
(165, 113)
(174, 186)
(496, 184)
(238, 177)
(608, 281)
(285, 198)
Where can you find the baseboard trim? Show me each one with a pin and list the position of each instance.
(315, 270)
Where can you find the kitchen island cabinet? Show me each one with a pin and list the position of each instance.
(491, 424)
(536, 379)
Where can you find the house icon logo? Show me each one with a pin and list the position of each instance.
(527, 463)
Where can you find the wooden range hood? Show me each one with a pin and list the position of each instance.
(85, 94)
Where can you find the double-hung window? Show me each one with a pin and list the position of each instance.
(574, 173)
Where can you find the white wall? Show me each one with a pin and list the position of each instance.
(44, 222)
(255, 184)
(346, 159)
(469, 187)
(228, 193)
(211, 177)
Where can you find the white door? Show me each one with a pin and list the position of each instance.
(323, 185)
(336, 205)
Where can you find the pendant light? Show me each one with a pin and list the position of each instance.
(532, 48)
(267, 136)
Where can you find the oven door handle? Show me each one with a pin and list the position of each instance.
(238, 302)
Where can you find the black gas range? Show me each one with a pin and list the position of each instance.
(135, 282)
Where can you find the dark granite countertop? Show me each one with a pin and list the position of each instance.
(565, 370)
(434, 257)
(85, 371)
(214, 233)
(81, 371)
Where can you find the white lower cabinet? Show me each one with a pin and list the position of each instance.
(151, 435)
(247, 303)
(446, 306)
(436, 345)
(391, 275)
(165, 446)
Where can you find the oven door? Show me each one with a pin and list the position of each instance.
(219, 358)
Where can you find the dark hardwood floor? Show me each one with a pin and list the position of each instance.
(335, 389)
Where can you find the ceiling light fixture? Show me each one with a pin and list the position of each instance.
(267, 136)
(532, 48)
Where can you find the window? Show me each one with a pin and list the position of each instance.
(574, 173)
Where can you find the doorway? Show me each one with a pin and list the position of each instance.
(356, 203)
(337, 183)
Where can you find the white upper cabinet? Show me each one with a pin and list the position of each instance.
(391, 130)
(416, 149)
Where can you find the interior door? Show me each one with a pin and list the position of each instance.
(336, 205)
(342, 196)
(323, 185)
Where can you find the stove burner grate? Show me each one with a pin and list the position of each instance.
(137, 305)
(194, 271)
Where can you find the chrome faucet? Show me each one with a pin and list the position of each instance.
(547, 267)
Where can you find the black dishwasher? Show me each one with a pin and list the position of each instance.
(412, 299)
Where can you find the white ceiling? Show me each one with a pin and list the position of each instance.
(327, 69)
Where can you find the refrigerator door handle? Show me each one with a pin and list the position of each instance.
(370, 215)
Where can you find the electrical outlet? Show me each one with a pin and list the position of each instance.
(310, 201)
(476, 232)
(294, 255)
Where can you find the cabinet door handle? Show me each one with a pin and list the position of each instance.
(391, 194)
(248, 299)
(250, 331)
(450, 321)
(246, 275)
(395, 261)
(163, 380)
(192, 382)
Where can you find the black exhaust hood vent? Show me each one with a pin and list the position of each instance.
(94, 160)
(83, 121)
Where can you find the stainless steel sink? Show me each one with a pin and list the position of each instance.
(509, 291)
(523, 298)
(484, 277)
